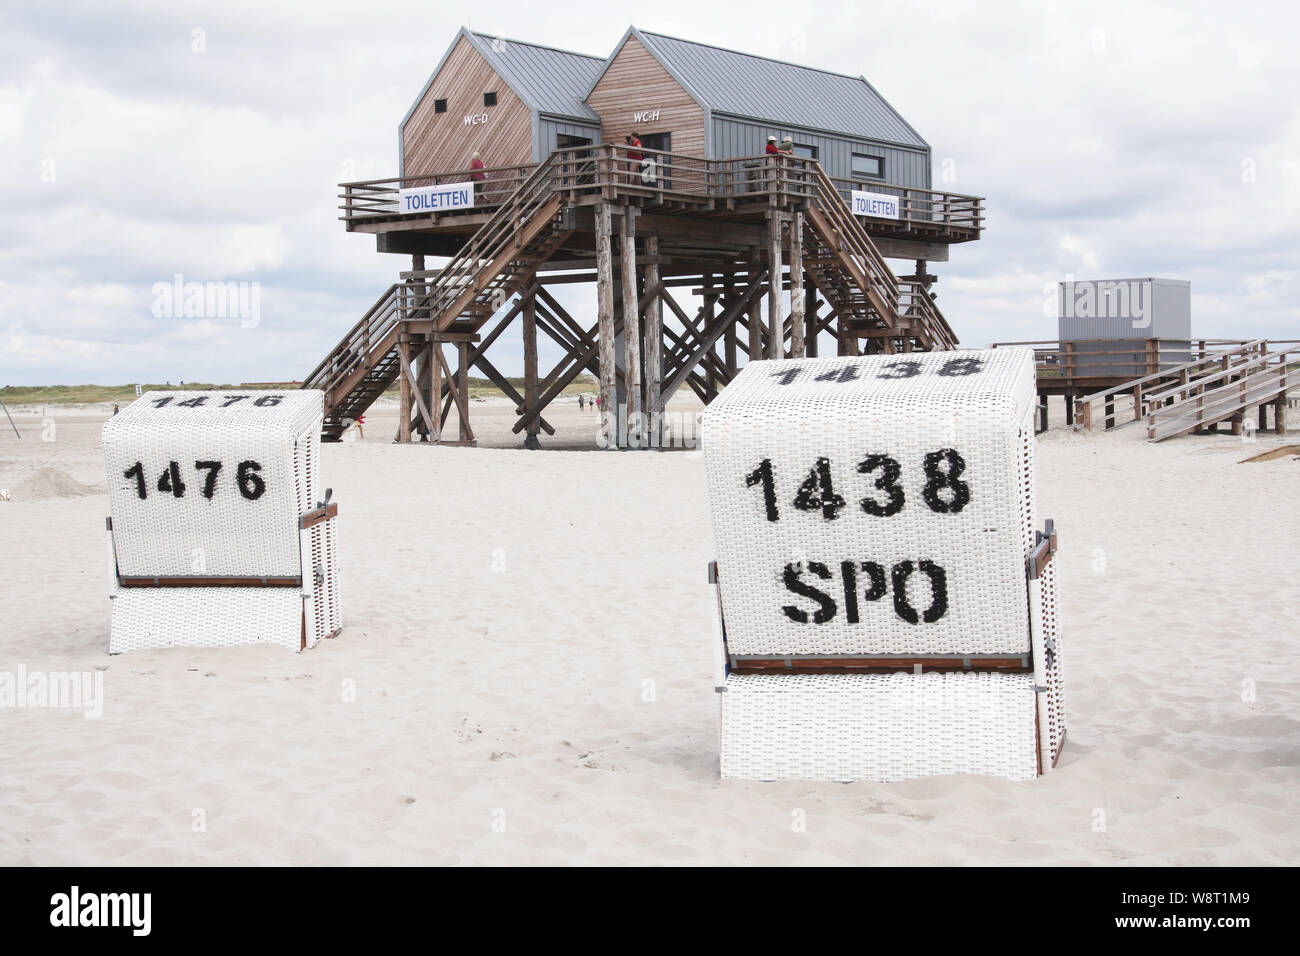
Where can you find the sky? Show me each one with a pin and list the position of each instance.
(141, 141)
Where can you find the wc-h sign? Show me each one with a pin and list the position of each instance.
(442, 198)
(875, 204)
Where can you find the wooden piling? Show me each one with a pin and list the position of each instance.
(530, 369)
(775, 318)
(631, 325)
(605, 327)
(797, 303)
(654, 336)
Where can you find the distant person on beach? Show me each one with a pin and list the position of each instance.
(476, 173)
(360, 423)
(115, 408)
(582, 402)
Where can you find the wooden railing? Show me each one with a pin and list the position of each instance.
(1186, 372)
(1065, 363)
(1246, 376)
(368, 339)
(378, 197)
(669, 177)
(922, 206)
(916, 306)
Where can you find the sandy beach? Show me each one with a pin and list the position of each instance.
(524, 674)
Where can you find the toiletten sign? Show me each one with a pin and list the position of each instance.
(446, 197)
(875, 204)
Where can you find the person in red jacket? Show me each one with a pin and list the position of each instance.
(476, 174)
(634, 156)
(771, 145)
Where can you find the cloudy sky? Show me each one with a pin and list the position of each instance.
(141, 140)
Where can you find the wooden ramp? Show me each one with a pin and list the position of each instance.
(1221, 386)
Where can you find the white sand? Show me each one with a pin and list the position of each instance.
(506, 610)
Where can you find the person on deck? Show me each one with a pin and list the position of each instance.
(634, 155)
(787, 146)
(771, 145)
(476, 174)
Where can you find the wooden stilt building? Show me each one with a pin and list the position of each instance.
(781, 250)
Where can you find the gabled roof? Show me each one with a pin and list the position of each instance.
(548, 80)
(776, 92)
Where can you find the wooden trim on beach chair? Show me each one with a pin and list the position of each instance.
(833, 664)
(317, 515)
(206, 582)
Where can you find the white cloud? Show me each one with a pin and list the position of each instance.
(1111, 137)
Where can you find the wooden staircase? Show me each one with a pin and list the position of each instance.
(503, 256)
(850, 272)
(498, 261)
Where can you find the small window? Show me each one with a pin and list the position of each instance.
(868, 167)
(440, 106)
(490, 99)
(807, 152)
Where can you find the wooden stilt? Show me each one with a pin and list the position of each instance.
(810, 317)
(404, 383)
(435, 390)
(631, 326)
(654, 337)
(605, 326)
(730, 342)
(462, 394)
(797, 303)
(710, 301)
(530, 369)
(1279, 414)
(775, 314)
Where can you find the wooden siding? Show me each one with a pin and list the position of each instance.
(903, 167)
(634, 82)
(437, 142)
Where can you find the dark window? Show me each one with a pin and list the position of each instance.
(490, 99)
(440, 106)
(565, 141)
(868, 167)
(807, 152)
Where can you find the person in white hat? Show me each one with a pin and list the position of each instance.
(771, 145)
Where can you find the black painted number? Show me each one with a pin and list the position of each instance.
(945, 478)
(890, 470)
(170, 480)
(213, 468)
(251, 485)
(763, 475)
(817, 493)
(136, 471)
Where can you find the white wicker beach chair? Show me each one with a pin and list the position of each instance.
(219, 531)
(886, 608)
